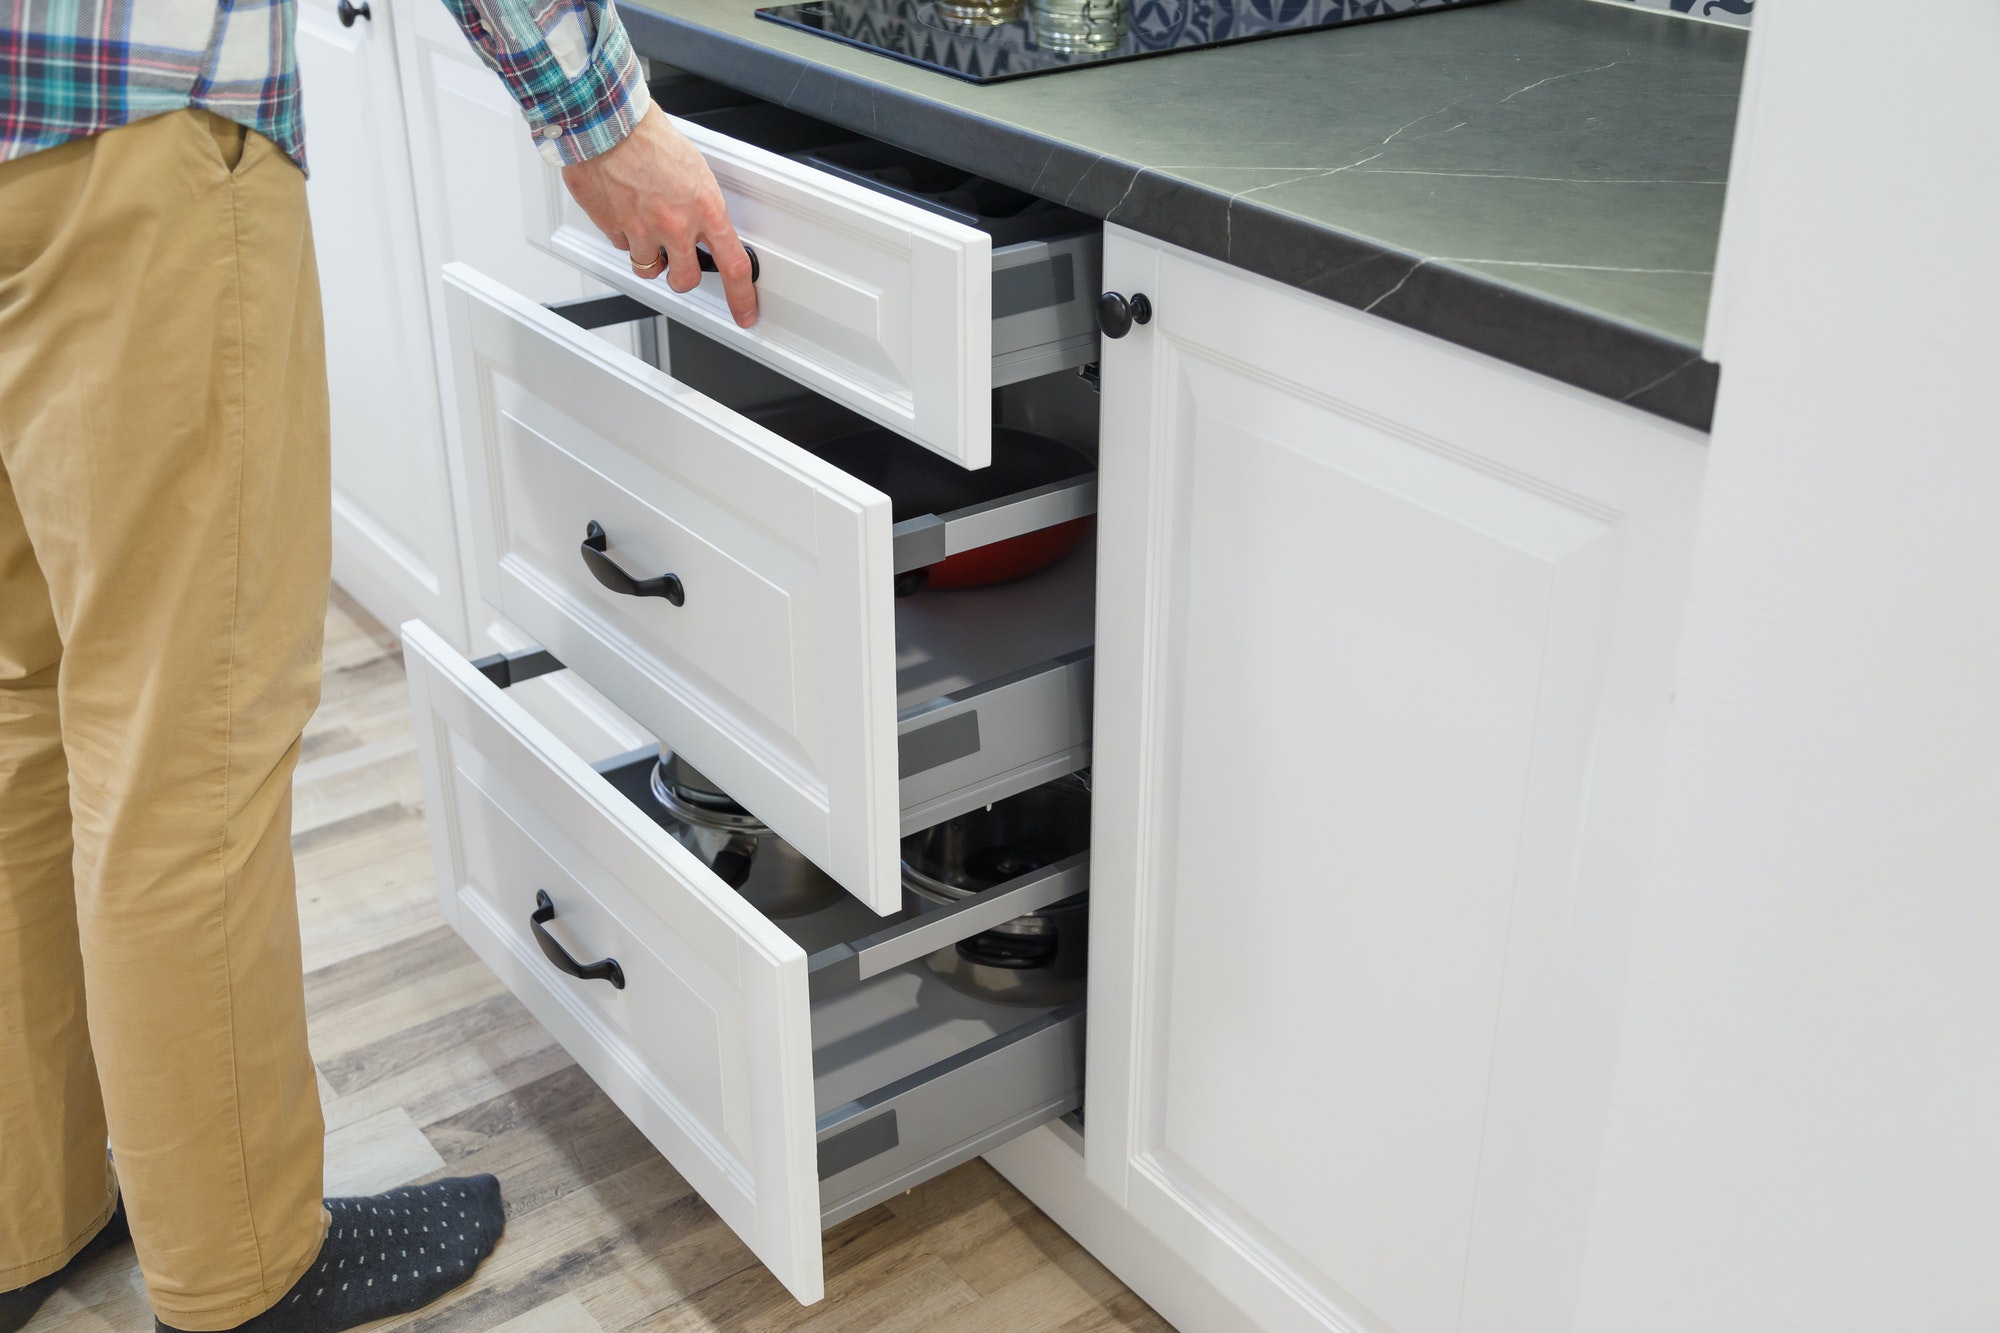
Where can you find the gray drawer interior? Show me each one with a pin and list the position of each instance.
(912, 1075)
(1047, 259)
(993, 684)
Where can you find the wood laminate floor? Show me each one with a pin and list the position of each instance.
(429, 1067)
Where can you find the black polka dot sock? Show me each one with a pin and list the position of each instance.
(389, 1254)
(19, 1305)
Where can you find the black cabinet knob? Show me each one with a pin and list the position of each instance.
(349, 12)
(1116, 315)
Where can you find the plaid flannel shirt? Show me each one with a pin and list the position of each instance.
(74, 67)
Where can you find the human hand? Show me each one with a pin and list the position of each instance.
(654, 195)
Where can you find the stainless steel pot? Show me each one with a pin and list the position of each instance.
(1035, 959)
(744, 853)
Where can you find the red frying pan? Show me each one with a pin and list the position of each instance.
(919, 482)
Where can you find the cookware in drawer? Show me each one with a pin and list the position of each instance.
(735, 594)
(793, 1075)
(897, 310)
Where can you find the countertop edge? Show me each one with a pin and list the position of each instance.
(1652, 372)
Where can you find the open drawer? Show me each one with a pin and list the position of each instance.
(794, 1075)
(870, 294)
(735, 593)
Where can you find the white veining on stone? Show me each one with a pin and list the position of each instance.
(1313, 174)
(1421, 119)
(1555, 77)
(1508, 176)
(1652, 384)
(1111, 213)
(1043, 171)
(1318, 173)
(1398, 287)
(1588, 268)
(1081, 177)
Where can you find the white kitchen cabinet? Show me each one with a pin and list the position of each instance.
(1385, 639)
(465, 137)
(395, 542)
(1385, 645)
(464, 131)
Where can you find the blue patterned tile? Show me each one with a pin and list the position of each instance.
(1724, 11)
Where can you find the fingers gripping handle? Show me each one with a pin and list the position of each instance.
(707, 262)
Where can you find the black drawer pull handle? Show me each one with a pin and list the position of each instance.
(604, 969)
(706, 263)
(614, 576)
(347, 12)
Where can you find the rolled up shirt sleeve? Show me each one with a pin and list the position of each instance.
(568, 63)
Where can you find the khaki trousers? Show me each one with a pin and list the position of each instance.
(164, 535)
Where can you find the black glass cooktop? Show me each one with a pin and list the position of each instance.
(985, 41)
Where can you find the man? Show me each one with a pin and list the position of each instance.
(163, 576)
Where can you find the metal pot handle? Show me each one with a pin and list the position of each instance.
(732, 865)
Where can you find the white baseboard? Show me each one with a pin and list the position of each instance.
(1047, 1166)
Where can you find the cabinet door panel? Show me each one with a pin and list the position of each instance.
(1377, 686)
(395, 544)
(464, 129)
(465, 132)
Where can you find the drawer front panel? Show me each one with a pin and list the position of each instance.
(874, 302)
(707, 1046)
(775, 672)
(507, 868)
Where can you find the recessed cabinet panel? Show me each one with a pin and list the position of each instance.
(1385, 649)
(464, 129)
(477, 129)
(737, 625)
(395, 546)
(505, 864)
(1393, 628)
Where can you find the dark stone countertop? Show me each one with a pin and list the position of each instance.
(1539, 180)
